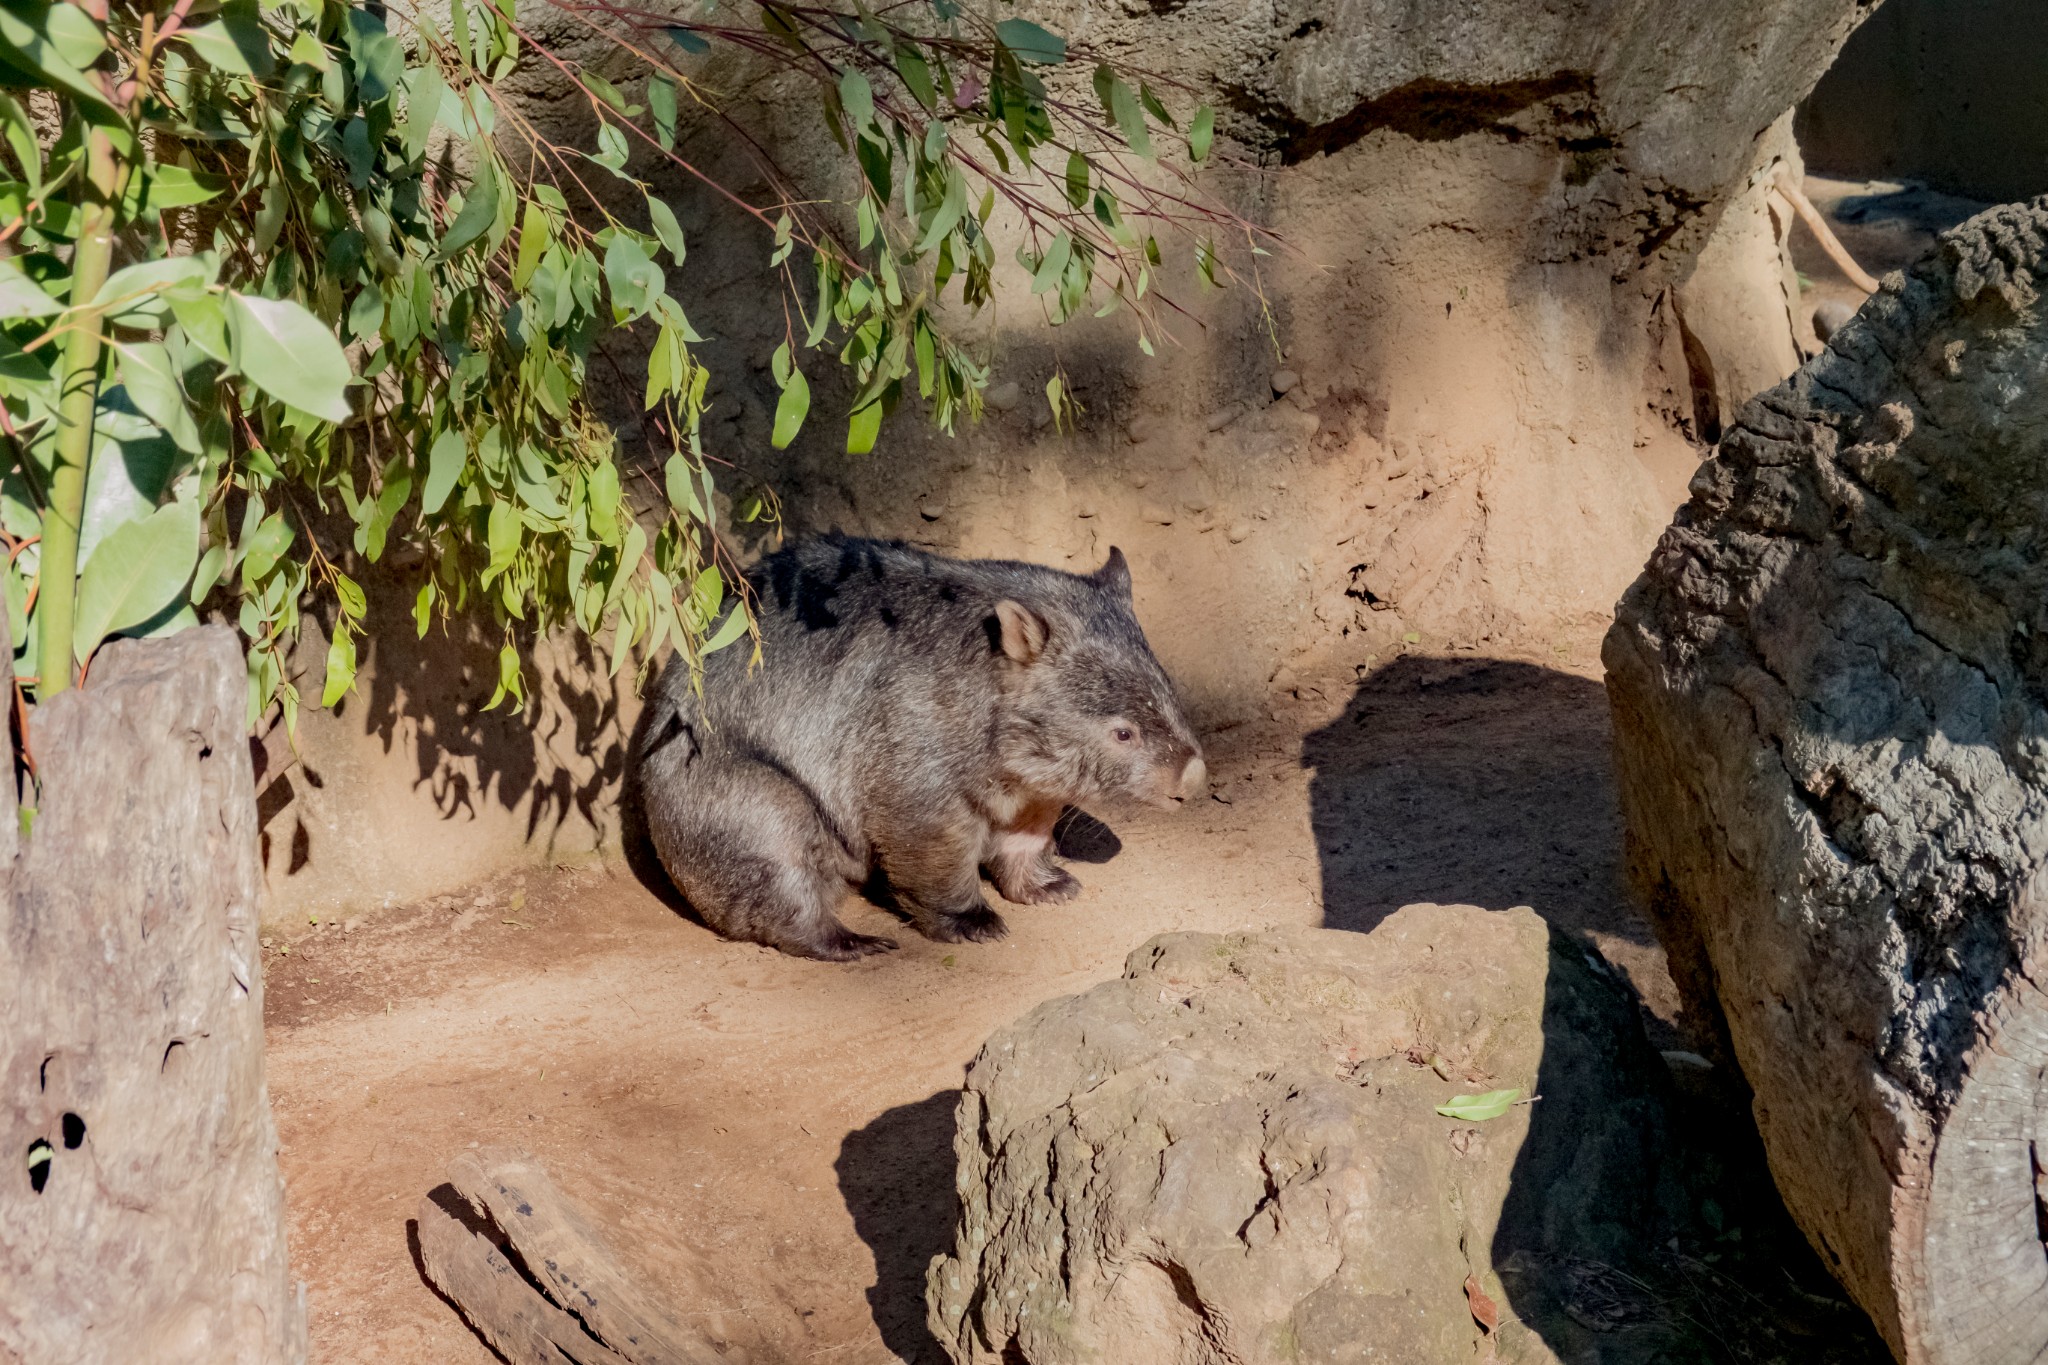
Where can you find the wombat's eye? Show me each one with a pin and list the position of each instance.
(1124, 734)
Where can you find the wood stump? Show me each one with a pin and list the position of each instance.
(1830, 696)
(141, 1211)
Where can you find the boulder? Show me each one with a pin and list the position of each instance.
(1233, 1154)
(1830, 699)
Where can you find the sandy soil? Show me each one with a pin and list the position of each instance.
(790, 1123)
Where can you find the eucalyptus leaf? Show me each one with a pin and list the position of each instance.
(286, 352)
(1479, 1108)
(136, 572)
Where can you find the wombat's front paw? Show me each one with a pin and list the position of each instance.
(979, 925)
(843, 945)
(1052, 886)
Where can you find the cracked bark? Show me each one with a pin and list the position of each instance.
(1828, 691)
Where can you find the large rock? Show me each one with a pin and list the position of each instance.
(1232, 1154)
(1830, 695)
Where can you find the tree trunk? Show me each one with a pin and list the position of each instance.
(148, 1220)
(1830, 693)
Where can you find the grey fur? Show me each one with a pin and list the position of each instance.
(918, 717)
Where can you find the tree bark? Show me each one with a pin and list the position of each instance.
(1830, 694)
(148, 1222)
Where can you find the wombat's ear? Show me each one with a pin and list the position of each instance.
(1023, 631)
(1115, 574)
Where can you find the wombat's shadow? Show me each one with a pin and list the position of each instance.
(896, 1176)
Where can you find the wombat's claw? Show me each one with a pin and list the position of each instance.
(980, 925)
(1055, 886)
(847, 946)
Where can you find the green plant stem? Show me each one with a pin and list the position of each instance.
(78, 396)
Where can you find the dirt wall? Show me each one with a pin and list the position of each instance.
(1457, 410)
(1950, 92)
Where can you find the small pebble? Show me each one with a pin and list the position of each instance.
(1221, 418)
(1285, 380)
(1237, 533)
(1830, 317)
(931, 510)
(1155, 512)
(1004, 397)
(1141, 430)
(351, 926)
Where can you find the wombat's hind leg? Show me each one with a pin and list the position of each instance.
(753, 854)
(934, 869)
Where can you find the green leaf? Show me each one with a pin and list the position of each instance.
(1201, 133)
(1479, 1108)
(857, 97)
(206, 325)
(136, 295)
(1077, 179)
(917, 76)
(479, 211)
(27, 42)
(175, 187)
(667, 228)
(423, 607)
(444, 463)
(1152, 104)
(286, 352)
(366, 313)
(1130, 119)
(682, 490)
(1054, 264)
(636, 281)
(730, 629)
(264, 546)
(139, 570)
(612, 151)
(791, 409)
(341, 666)
(349, 594)
(862, 428)
(1032, 43)
(661, 98)
(509, 682)
(151, 383)
(236, 42)
(688, 40)
(21, 297)
(536, 234)
(76, 37)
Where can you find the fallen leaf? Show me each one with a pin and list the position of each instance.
(1484, 1311)
(1479, 1108)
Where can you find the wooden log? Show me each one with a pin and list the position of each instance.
(148, 1220)
(1830, 699)
(499, 1303)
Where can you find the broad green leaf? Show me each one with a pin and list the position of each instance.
(612, 150)
(510, 683)
(1479, 1108)
(862, 428)
(479, 210)
(206, 325)
(536, 235)
(857, 97)
(1077, 179)
(1130, 118)
(140, 569)
(1201, 133)
(76, 37)
(1053, 265)
(423, 607)
(341, 666)
(502, 537)
(235, 43)
(667, 228)
(286, 352)
(444, 464)
(152, 385)
(264, 546)
(682, 491)
(26, 42)
(135, 295)
(1032, 43)
(791, 409)
(22, 297)
(730, 629)
(688, 40)
(635, 281)
(917, 76)
(366, 314)
(661, 99)
(175, 187)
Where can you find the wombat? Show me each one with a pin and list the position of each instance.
(914, 716)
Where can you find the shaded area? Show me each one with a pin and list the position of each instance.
(1642, 1223)
(1509, 762)
(896, 1176)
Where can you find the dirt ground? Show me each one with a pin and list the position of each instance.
(790, 1123)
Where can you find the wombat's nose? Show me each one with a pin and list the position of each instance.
(1194, 778)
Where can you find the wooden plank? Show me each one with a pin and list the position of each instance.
(497, 1301)
(561, 1246)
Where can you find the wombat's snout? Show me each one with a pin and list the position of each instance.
(1194, 779)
